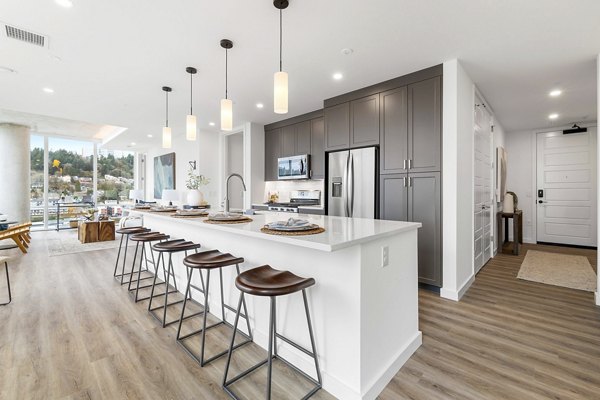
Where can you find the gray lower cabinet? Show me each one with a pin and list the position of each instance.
(272, 153)
(417, 198)
(424, 125)
(337, 127)
(317, 151)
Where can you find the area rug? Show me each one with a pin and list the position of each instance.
(67, 243)
(564, 270)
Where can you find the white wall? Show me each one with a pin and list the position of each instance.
(598, 166)
(457, 192)
(205, 151)
(499, 138)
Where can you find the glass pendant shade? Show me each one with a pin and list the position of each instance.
(190, 127)
(226, 115)
(280, 92)
(166, 138)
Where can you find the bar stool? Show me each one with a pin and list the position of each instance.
(208, 261)
(125, 233)
(143, 238)
(169, 247)
(5, 260)
(267, 281)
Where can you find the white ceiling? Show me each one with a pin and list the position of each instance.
(116, 55)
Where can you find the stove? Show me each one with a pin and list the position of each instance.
(297, 198)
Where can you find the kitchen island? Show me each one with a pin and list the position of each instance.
(365, 314)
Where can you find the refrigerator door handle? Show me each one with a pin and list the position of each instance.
(345, 182)
(351, 188)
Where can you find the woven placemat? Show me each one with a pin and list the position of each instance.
(240, 221)
(190, 216)
(295, 233)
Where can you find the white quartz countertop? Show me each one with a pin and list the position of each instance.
(340, 232)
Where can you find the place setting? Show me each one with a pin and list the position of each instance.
(292, 227)
(190, 213)
(226, 218)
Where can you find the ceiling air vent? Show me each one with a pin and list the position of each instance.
(25, 36)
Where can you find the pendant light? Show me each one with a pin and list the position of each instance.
(166, 133)
(190, 120)
(280, 79)
(226, 103)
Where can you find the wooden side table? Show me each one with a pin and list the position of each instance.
(517, 217)
(107, 231)
(88, 231)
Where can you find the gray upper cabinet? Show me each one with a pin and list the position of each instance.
(424, 203)
(424, 125)
(337, 127)
(394, 130)
(394, 197)
(317, 151)
(303, 138)
(288, 141)
(272, 153)
(364, 121)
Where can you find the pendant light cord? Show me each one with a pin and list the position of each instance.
(280, 40)
(226, 50)
(191, 96)
(167, 109)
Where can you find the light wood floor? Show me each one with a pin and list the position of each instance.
(72, 333)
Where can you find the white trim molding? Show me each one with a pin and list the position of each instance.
(456, 295)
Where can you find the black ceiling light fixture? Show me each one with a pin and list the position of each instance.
(190, 121)
(166, 133)
(575, 129)
(280, 79)
(226, 103)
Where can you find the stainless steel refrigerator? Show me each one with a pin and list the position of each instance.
(352, 176)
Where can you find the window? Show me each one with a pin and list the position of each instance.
(115, 180)
(37, 182)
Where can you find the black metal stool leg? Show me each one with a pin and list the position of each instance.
(185, 300)
(8, 284)
(206, 311)
(137, 245)
(237, 267)
(118, 256)
(312, 341)
(160, 257)
(167, 289)
(230, 352)
(125, 259)
(271, 340)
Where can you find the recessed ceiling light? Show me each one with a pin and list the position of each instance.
(149, 136)
(347, 51)
(7, 70)
(133, 143)
(555, 93)
(338, 76)
(553, 116)
(211, 123)
(48, 90)
(64, 3)
(259, 105)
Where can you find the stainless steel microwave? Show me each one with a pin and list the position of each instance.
(296, 167)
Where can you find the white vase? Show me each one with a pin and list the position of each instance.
(194, 198)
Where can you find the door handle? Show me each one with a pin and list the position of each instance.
(542, 201)
(352, 188)
(409, 163)
(404, 181)
(404, 165)
(410, 182)
(346, 183)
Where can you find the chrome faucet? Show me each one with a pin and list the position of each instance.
(227, 190)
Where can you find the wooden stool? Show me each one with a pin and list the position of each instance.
(125, 233)
(169, 247)
(267, 281)
(143, 238)
(210, 260)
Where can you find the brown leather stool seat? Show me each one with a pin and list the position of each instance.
(169, 247)
(143, 238)
(211, 259)
(267, 281)
(132, 230)
(125, 233)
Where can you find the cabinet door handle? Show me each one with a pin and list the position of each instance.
(404, 181)
(405, 165)
(409, 163)
(410, 182)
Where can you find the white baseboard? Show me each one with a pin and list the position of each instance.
(456, 295)
(377, 387)
(597, 295)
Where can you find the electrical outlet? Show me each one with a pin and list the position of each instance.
(385, 256)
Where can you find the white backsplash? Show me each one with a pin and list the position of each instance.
(283, 188)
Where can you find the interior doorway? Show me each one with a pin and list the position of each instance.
(566, 188)
(483, 179)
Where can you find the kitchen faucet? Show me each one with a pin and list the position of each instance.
(227, 190)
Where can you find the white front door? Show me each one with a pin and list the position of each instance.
(482, 186)
(566, 188)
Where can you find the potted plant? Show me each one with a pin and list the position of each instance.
(193, 183)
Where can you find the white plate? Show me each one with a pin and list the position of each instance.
(292, 228)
